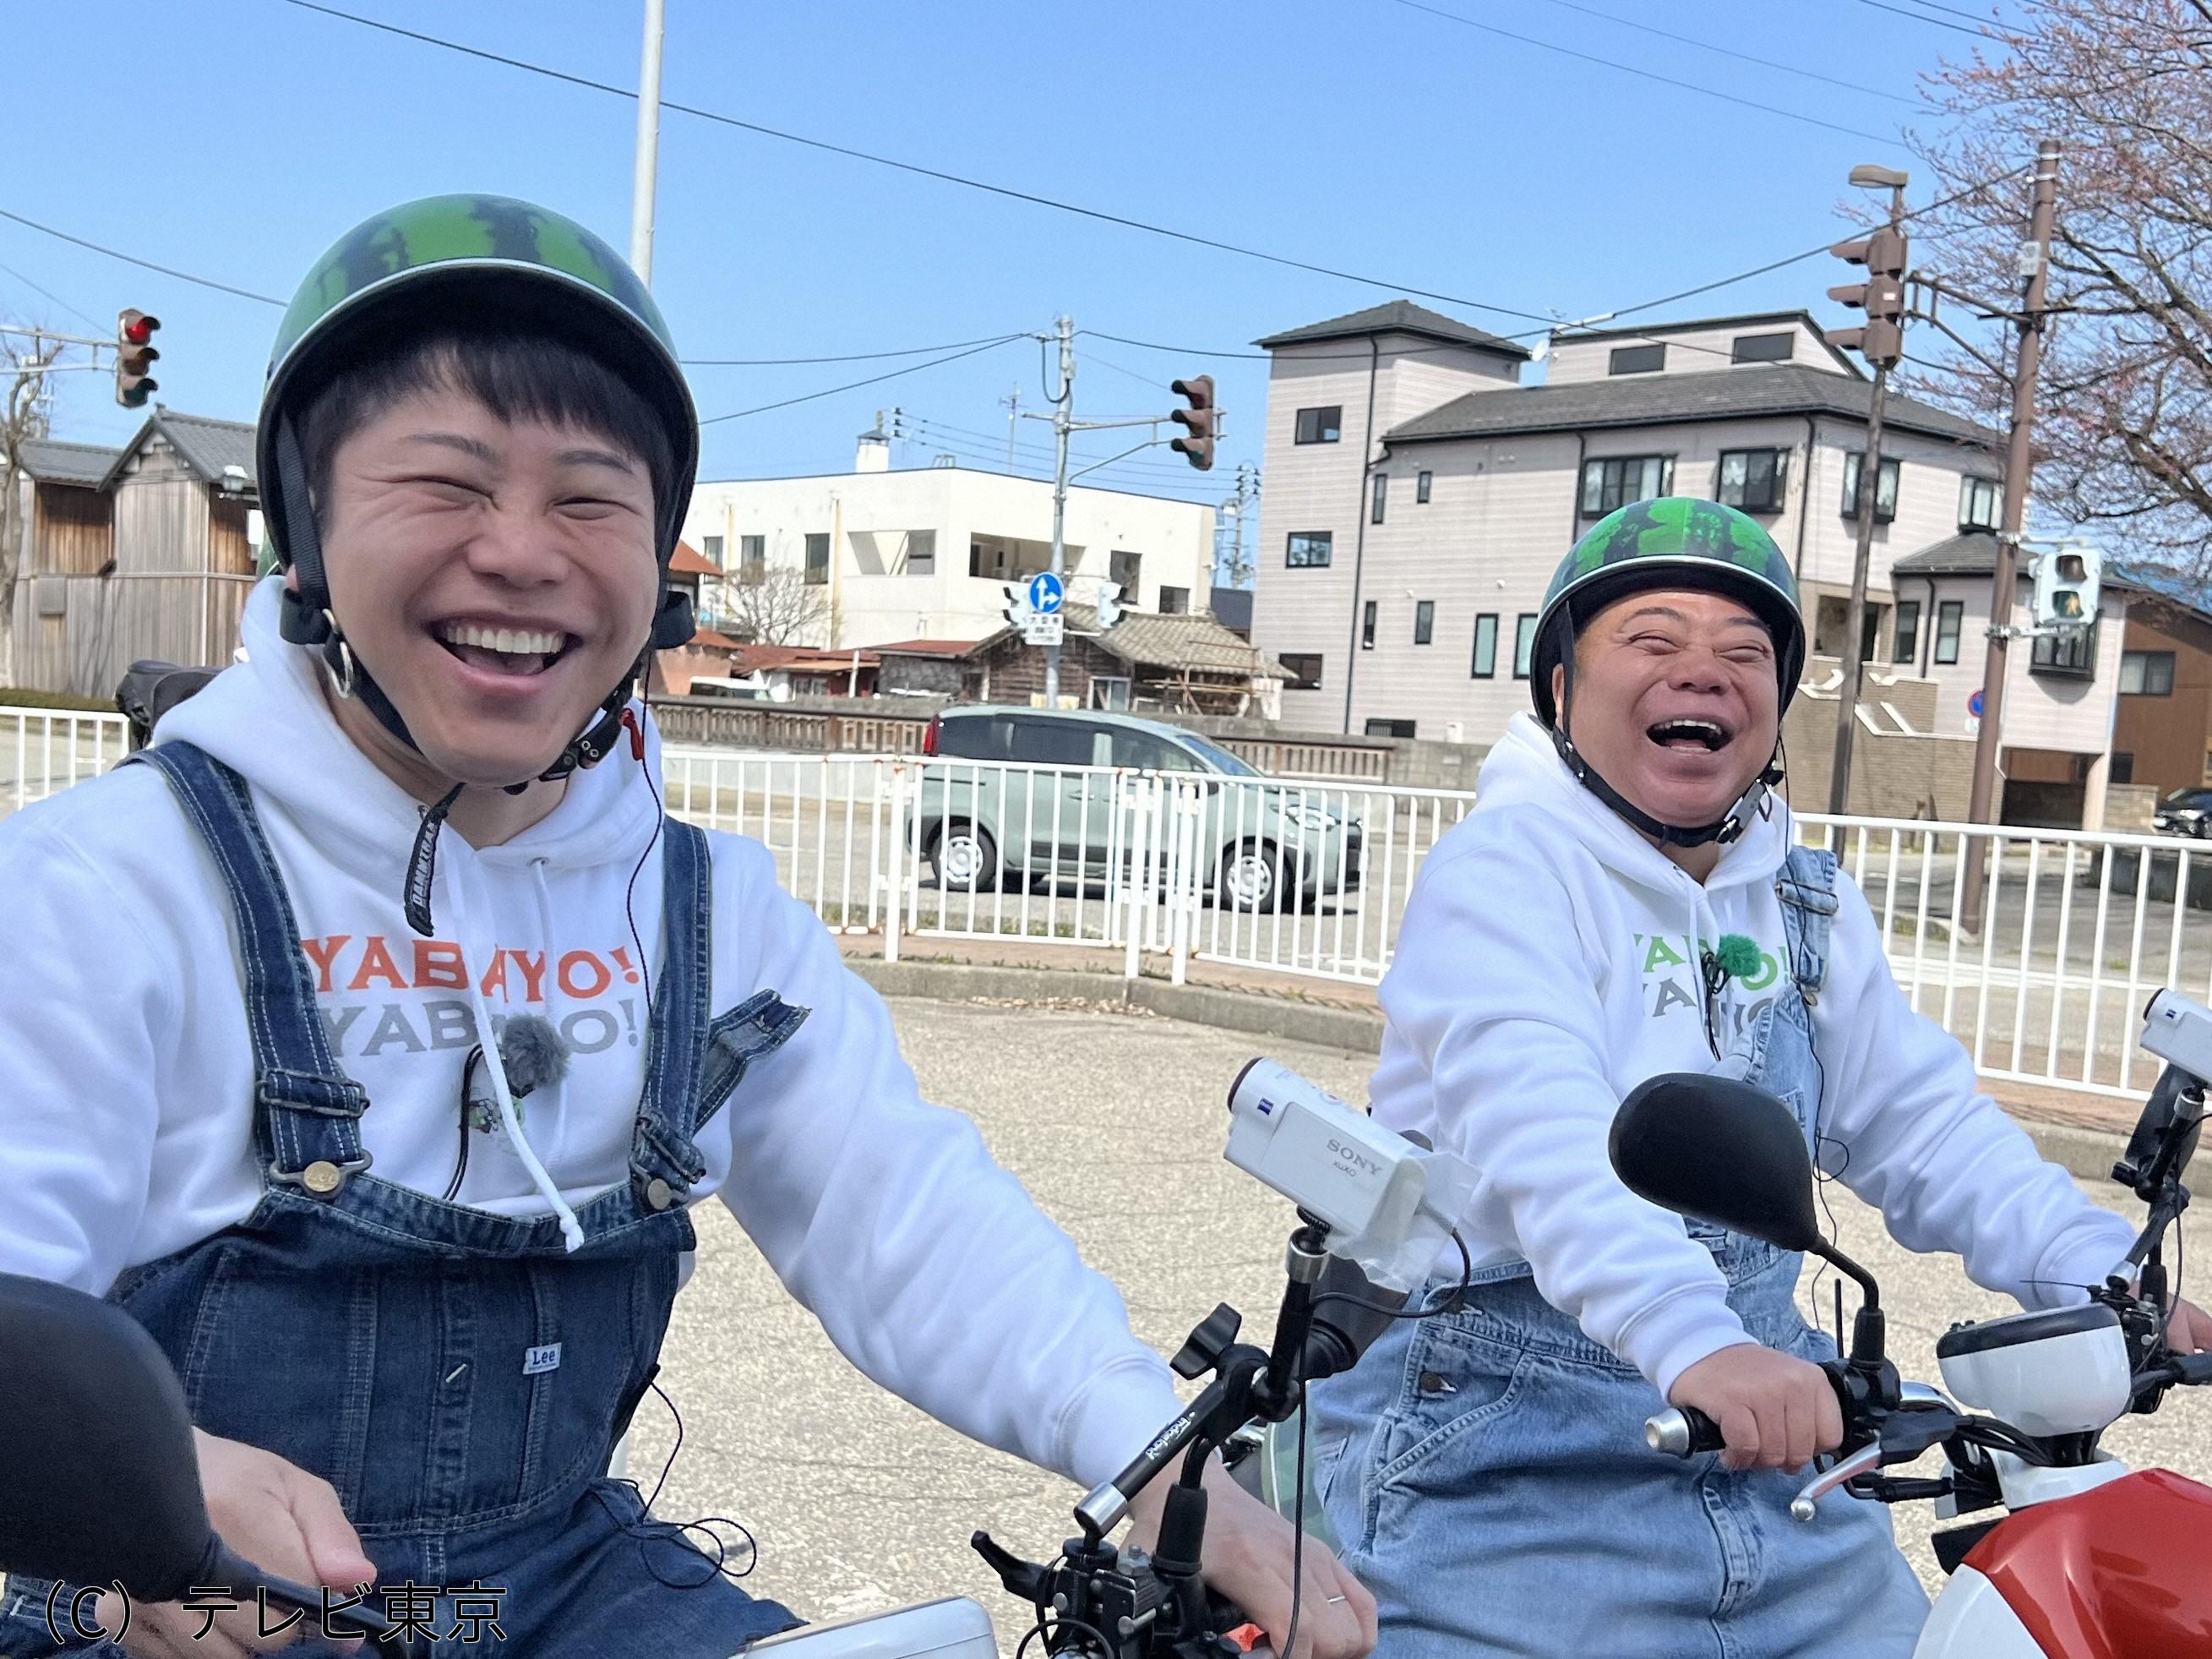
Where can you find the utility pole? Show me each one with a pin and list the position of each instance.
(644, 180)
(1063, 413)
(1989, 741)
(1882, 342)
(1012, 402)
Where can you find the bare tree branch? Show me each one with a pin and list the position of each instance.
(777, 606)
(2123, 427)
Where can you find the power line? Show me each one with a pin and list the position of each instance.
(919, 171)
(1933, 22)
(1630, 68)
(144, 264)
(1984, 19)
(1190, 495)
(1032, 454)
(848, 357)
(1741, 57)
(56, 298)
(855, 385)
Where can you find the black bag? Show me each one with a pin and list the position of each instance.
(151, 690)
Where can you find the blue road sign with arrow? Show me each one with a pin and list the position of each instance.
(1045, 592)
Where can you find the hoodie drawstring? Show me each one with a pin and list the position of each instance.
(572, 1230)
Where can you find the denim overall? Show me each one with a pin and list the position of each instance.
(457, 1377)
(1488, 1473)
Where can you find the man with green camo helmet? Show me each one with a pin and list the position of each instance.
(404, 1189)
(1626, 900)
(1674, 542)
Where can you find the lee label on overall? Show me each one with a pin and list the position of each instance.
(547, 1359)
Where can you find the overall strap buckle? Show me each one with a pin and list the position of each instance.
(323, 1178)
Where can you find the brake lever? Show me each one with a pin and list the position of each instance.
(1864, 1461)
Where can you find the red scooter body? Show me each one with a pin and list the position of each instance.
(2121, 1571)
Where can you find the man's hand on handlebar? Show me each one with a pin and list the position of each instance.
(2189, 1328)
(1776, 1411)
(1249, 1552)
(279, 1517)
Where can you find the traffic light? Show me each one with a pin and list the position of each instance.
(134, 355)
(2068, 580)
(1199, 421)
(1109, 605)
(1018, 603)
(1882, 296)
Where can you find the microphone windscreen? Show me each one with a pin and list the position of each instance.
(532, 1052)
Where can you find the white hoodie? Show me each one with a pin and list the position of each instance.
(1548, 964)
(125, 1075)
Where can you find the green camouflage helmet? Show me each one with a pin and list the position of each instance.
(478, 255)
(1675, 541)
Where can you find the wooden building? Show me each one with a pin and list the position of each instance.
(137, 552)
(1185, 664)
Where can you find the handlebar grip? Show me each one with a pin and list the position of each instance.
(2193, 1369)
(1683, 1432)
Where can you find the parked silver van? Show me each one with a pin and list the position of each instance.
(1042, 801)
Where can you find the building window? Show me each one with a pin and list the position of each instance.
(1367, 627)
(1390, 728)
(818, 560)
(1109, 691)
(1977, 503)
(1637, 360)
(1524, 643)
(1885, 496)
(1907, 650)
(752, 556)
(712, 547)
(1175, 601)
(1615, 481)
(1303, 668)
(1125, 568)
(1309, 549)
(1377, 495)
(2072, 655)
(1949, 616)
(1425, 621)
(1319, 426)
(922, 552)
(1421, 491)
(1764, 347)
(2124, 768)
(2147, 673)
(1753, 479)
(1485, 648)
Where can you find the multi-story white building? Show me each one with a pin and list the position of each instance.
(1419, 498)
(923, 552)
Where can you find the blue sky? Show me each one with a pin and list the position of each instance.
(237, 138)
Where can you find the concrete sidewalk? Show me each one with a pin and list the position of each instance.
(2080, 1130)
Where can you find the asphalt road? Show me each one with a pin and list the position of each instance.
(859, 1502)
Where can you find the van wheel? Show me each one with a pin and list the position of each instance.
(965, 859)
(1247, 881)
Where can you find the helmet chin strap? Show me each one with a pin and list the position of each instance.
(1725, 830)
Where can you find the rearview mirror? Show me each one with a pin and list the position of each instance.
(101, 1481)
(1721, 1152)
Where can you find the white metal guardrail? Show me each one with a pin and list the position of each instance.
(43, 751)
(1311, 877)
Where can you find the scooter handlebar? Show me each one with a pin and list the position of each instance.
(1683, 1431)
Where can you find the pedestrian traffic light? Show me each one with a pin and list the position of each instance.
(1017, 605)
(2069, 581)
(1199, 421)
(134, 355)
(1109, 605)
(1882, 296)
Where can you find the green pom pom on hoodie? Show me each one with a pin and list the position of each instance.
(1739, 958)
